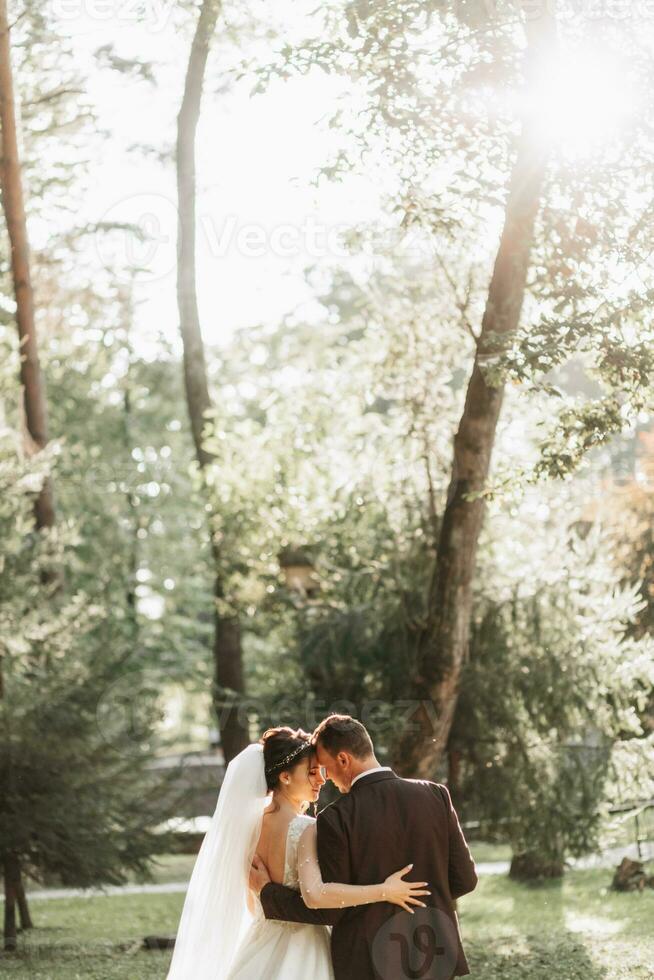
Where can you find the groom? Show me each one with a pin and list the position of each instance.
(380, 824)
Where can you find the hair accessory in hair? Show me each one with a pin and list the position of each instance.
(289, 758)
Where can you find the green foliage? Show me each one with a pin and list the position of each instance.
(554, 682)
(328, 435)
(629, 512)
(433, 104)
(125, 479)
(75, 803)
(73, 806)
(548, 697)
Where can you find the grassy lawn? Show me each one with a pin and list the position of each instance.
(94, 939)
(483, 852)
(574, 930)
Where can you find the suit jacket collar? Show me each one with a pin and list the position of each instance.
(372, 777)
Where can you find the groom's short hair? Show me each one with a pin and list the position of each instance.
(341, 733)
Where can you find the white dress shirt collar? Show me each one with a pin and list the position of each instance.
(368, 772)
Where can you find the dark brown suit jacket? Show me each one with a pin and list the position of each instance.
(381, 825)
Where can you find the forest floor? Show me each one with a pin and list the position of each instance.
(576, 929)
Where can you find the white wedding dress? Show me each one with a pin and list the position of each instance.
(274, 950)
(220, 936)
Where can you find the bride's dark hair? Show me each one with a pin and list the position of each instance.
(283, 749)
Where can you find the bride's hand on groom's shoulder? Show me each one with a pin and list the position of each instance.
(259, 876)
(404, 893)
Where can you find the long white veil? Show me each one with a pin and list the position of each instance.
(215, 915)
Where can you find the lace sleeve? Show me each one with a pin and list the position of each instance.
(318, 894)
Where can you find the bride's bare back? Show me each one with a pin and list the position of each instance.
(272, 842)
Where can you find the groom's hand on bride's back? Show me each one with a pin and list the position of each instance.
(259, 876)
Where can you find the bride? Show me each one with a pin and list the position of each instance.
(223, 934)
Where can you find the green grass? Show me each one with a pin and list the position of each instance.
(483, 852)
(573, 930)
(576, 929)
(94, 939)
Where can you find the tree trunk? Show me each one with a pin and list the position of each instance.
(228, 667)
(228, 684)
(454, 774)
(131, 498)
(195, 368)
(14, 209)
(15, 900)
(532, 866)
(11, 872)
(23, 907)
(30, 370)
(444, 644)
